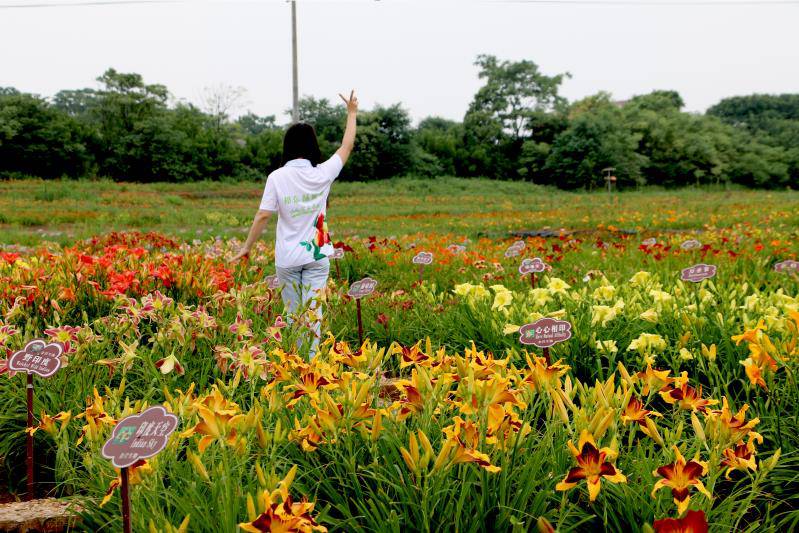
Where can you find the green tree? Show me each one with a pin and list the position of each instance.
(596, 138)
(252, 124)
(514, 106)
(39, 140)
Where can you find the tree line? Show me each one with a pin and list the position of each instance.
(517, 127)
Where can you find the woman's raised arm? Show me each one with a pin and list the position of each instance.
(348, 142)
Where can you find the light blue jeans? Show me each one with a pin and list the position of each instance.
(302, 285)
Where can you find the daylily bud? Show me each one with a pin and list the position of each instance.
(698, 429)
(198, 465)
(251, 513)
(544, 526)
(259, 473)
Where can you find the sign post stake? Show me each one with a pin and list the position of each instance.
(29, 452)
(422, 259)
(137, 437)
(125, 494)
(358, 290)
(37, 357)
(360, 322)
(546, 355)
(531, 266)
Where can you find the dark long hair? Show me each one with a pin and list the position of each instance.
(300, 143)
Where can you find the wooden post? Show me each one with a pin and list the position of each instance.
(546, 355)
(532, 279)
(421, 272)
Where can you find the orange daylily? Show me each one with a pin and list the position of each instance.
(687, 397)
(680, 476)
(654, 380)
(48, 425)
(220, 420)
(541, 374)
(741, 457)
(591, 466)
(635, 412)
(463, 438)
(95, 417)
(280, 512)
(750, 335)
(726, 427)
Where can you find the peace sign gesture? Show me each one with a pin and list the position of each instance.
(351, 103)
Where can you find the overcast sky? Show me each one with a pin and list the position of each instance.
(417, 52)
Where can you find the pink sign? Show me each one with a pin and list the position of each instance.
(139, 436)
(456, 248)
(650, 241)
(362, 288)
(423, 258)
(545, 332)
(697, 273)
(532, 265)
(272, 282)
(37, 357)
(338, 253)
(691, 244)
(789, 265)
(515, 249)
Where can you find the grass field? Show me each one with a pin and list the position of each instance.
(672, 406)
(31, 211)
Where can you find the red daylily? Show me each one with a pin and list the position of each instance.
(692, 522)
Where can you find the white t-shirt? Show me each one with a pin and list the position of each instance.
(298, 192)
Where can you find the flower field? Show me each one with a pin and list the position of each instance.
(672, 405)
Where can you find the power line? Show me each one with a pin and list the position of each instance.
(88, 3)
(630, 3)
(655, 3)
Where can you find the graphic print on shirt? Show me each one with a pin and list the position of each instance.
(320, 238)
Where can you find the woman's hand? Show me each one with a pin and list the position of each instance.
(244, 252)
(348, 142)
(351, 103)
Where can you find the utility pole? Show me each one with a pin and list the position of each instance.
(295, 111)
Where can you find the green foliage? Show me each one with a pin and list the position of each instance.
(595, 139)
(517, 127)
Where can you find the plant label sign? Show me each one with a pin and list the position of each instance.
(651, 241)
(139, 436)
(272, 282)
(789, 265)
(456, 248)
(338, 253)
(545, 332)
(697, 273)
(530, 266)
(515, 249)
(362, 288)
(691, 244)
(423, 258)
(37, 357)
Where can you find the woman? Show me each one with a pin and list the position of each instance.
(298, 193)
